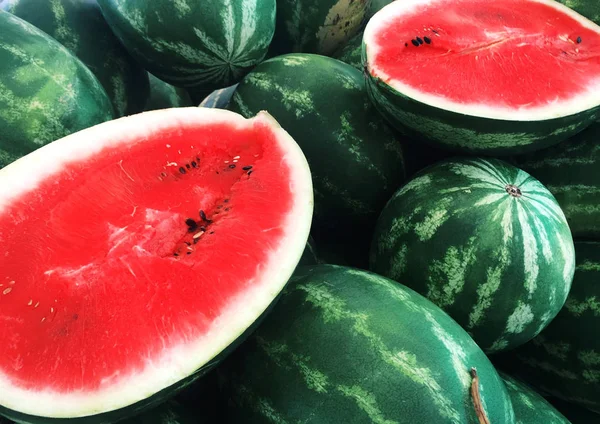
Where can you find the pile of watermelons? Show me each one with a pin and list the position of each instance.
(160, 259)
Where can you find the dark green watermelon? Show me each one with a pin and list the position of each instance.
(164, 96)
(348, 346)
(588, 8)
(570, 170)
(483, 240)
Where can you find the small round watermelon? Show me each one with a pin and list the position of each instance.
(137, 253)
(484, 77)
(79, 26)
(356, 161)
(198, 45)
(45, 92)
(483, 240)
(348, 346)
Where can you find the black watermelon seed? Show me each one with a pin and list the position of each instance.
(194, 164)
(202, 215)
(175, 254)
(187, 165)
(405, 44)
(182, 170)
(247, 168)
(226, 209)
(189, 253)
(427, 40)
(415, 43)
(250, 172)
(419, 40)
(579, 40)
(190, 222)
(232, 166)
(226, 201)
(212, 232)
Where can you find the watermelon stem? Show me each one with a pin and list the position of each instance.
(483, 419)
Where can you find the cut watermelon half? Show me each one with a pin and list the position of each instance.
(480, 76)
(134, 253)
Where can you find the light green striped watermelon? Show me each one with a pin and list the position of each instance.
(45, 92)
(199, 45)
(483, 240)
(356, 161)
(484, 77)
(79, 26)
(316, 26)
(164, 96)
(588, 8)
(564, 360)
(571, 171)
(348, 346)
(529, 406)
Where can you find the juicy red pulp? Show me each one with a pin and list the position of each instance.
(511, 53)
(102, 268)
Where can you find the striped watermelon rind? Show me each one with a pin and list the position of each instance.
(588, 8)
(472, 129)
(351, 346)
(483, 240)
(197, 45)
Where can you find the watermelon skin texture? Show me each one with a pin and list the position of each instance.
(356, 161)
(79, 26)
(316, 26)
(198, 45)
(529, 406)
(570, 171)
(351, 52)
(349, 346)
(472, 134)
(500, 265)
(588, 8)
(45, 92)
(564, 359)
(165, 96)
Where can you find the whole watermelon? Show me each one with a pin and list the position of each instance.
(80, 27)
(356, 161)
(483, 240)
(348, 346)
(199, 45)
(564, 359)
(45, 92)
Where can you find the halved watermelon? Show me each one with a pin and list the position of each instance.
(135, 252)
(487, 77)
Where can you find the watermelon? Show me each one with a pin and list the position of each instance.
(155, 241)
(316, 26)
(45, 92)
(164, 96)
(355, 159)
(588, 8)
(351, 52)
(570, 171)
(79, 26)
(529, 406)
(199, 45)
(564, 360)
(469, 75)
(348, 346)
(219, 98)
(484, 241)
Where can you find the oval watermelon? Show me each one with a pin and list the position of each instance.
(137, 253)
(529, 406)
(564, 360)
(348, 346)
(79, 26)
(355, 159)
(483, 240)
(45, 92)
(164, 96)
(570, 171)
(480, 76)
(199, 45)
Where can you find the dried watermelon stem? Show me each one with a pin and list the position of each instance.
(483, 419)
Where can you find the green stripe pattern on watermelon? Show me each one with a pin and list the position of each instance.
(348, 346)
(570, 170)
(588, 8)
(80, 27)
(200, 45)
(316, 26)
(45, 92)
(564, 360)
(356, 161)
(483, 240)
(351, 52)
(164, 96)
(529, 406)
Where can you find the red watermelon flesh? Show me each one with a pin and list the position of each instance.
(488, 57)
(136, 251)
